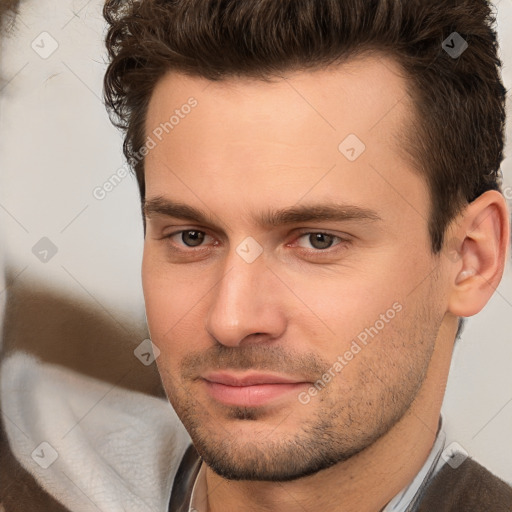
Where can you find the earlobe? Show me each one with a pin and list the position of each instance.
(483, 232)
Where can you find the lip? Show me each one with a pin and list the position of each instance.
(248, 379)
(250, 390)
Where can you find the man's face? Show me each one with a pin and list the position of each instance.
(288, 346)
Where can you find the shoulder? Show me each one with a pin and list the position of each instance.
(470, 486)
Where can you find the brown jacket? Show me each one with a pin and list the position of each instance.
(469, 488)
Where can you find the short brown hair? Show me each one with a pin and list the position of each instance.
(458, 127)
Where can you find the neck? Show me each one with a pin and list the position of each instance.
(364, 483)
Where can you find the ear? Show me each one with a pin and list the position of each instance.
(481, 244)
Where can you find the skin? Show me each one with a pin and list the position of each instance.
(252, 146)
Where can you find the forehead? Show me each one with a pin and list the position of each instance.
(355, 94)
(247, 139)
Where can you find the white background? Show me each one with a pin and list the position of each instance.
(57, 145)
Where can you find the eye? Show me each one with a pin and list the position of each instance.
(319, 241)
(190, 237)
(315, 242)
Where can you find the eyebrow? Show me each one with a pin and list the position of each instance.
(270, 218)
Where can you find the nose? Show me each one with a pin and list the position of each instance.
(245, 305)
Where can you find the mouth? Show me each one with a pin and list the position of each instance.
(252, 389)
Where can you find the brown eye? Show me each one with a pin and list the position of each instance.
(321, 240)
(192, 238)
(318, 241)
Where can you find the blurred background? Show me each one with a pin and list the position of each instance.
(70, 288)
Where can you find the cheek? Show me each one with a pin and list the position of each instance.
(364, 317)
(346, 303)
(174, 307)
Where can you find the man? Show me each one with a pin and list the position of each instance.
(320, 188)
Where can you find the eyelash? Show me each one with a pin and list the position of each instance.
(328, 250)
